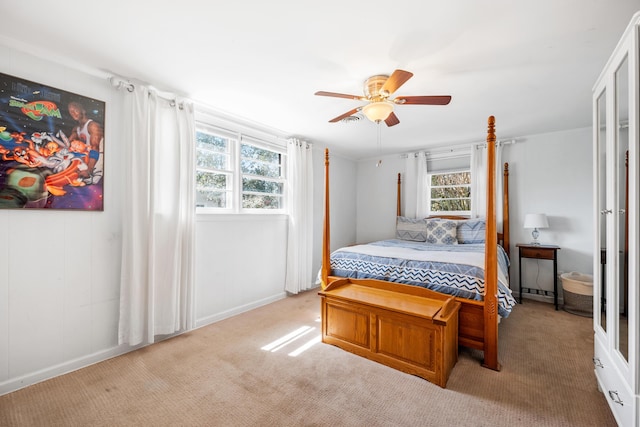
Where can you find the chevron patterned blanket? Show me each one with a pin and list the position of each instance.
(450, 269)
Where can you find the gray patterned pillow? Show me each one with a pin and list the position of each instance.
(411, 229)
(441, 231)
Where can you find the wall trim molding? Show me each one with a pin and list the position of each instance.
(208, 320)
(18, 383)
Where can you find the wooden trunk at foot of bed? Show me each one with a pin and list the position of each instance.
(477, 320)
(409, 328)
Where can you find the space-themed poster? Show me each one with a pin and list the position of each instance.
(51, 147)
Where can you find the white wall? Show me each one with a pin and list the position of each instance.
(377, 190)
(240, 263)
(60, 270)
(550, 173)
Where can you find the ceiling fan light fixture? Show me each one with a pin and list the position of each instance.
(378, 106)
(378, 111)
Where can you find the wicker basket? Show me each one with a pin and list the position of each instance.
(578, 293)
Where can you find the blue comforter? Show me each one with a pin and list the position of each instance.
(450, 269)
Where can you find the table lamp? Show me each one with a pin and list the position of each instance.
(535, 221)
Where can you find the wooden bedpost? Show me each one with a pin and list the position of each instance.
(505, 210)
(491, 258)
(398, 207)
(326, 233)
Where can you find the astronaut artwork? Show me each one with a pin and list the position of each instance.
(51, 147)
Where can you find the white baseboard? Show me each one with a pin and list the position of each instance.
(15, 384)
(238, 310)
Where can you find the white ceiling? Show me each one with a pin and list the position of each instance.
(530, 64)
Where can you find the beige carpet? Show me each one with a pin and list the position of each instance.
(219, 375)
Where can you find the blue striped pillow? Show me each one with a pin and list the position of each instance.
(471, 231)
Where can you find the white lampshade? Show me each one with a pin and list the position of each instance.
(536, 221)
(377, 111)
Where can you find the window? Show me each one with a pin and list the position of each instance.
(236, 173)
(214, 175)
(262, 182)
(450, 192)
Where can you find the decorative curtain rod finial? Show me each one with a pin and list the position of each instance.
(119, 84)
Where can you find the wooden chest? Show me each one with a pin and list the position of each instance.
(407, 331)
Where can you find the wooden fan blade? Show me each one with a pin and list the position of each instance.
(423, 100)
(395, 80)
(338, 95)
(392, 120)
(347, 114)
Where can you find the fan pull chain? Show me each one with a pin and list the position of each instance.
(379, 162)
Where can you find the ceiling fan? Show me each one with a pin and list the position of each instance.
(377, 90)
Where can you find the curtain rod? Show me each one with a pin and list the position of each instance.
(450, 150)
(498, 142)
(465, 147)
(119, 83)
(457, 150)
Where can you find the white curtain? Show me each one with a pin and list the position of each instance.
(415, 186)
(409, 182)
(479, 181)
(157, 289)
(299, 275)
(423, 192)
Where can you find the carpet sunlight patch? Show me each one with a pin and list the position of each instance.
(292, 337)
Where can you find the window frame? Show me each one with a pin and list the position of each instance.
(234, 171)
(282, 151)
(465, 213)
(230, 172)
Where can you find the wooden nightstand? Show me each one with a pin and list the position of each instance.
(549, 252)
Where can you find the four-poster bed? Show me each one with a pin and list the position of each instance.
(412, 328)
